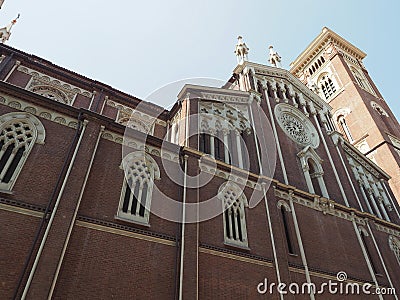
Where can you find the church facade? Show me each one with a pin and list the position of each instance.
(269, 187)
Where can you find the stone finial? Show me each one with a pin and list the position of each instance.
(274, 58)
(5, 32)
(241, 50)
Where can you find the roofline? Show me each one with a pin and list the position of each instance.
(80, 79)
(367, 160)
(202, 88)
(326, 36)
(283, 74)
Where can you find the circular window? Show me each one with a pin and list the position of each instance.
(296, 125)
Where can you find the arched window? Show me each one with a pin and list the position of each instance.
(313, 172)
(140, 172)
(359, 79)
(234, 202)
(327, 86)
(344, 128)
(18, 133)
(284, 210)
(394, 244)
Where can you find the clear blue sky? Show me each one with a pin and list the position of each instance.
(139, 46)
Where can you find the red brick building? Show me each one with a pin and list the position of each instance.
(95, 185)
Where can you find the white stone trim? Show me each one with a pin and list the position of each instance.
(40, 79)
(137, 144)
(126, 112)
(38, 111)
(327, 206)
(241, 180)
(272, 73)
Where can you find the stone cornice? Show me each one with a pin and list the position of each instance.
(325, 37)
(213, 93)
(37, 110)
(330, 207)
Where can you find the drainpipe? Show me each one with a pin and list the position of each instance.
(178, 243)
(365, 254)
(185, 157)
(300, 241)
(49, 205)
(72, 223)
(381, 258)
(278, 275)
(27, 286)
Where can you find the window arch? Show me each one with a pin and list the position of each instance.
(51, 93)
(360, 79)
(394, 244)
(326, 84)
(285, 211)
(140, 172)
(344, 128)
(234, 202)
(19, 131)
(340, 118)
(313, 172)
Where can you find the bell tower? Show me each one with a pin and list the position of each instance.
(333, 68)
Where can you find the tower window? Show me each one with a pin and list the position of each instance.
(327, 86)
(360, 79)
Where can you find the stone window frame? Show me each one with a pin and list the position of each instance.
(142, 170)
(237, 206)
(37, 136)
(361, 80)
(305, 156)
(285, 211)
(330, 84)
(296, 125)
(340, 118)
